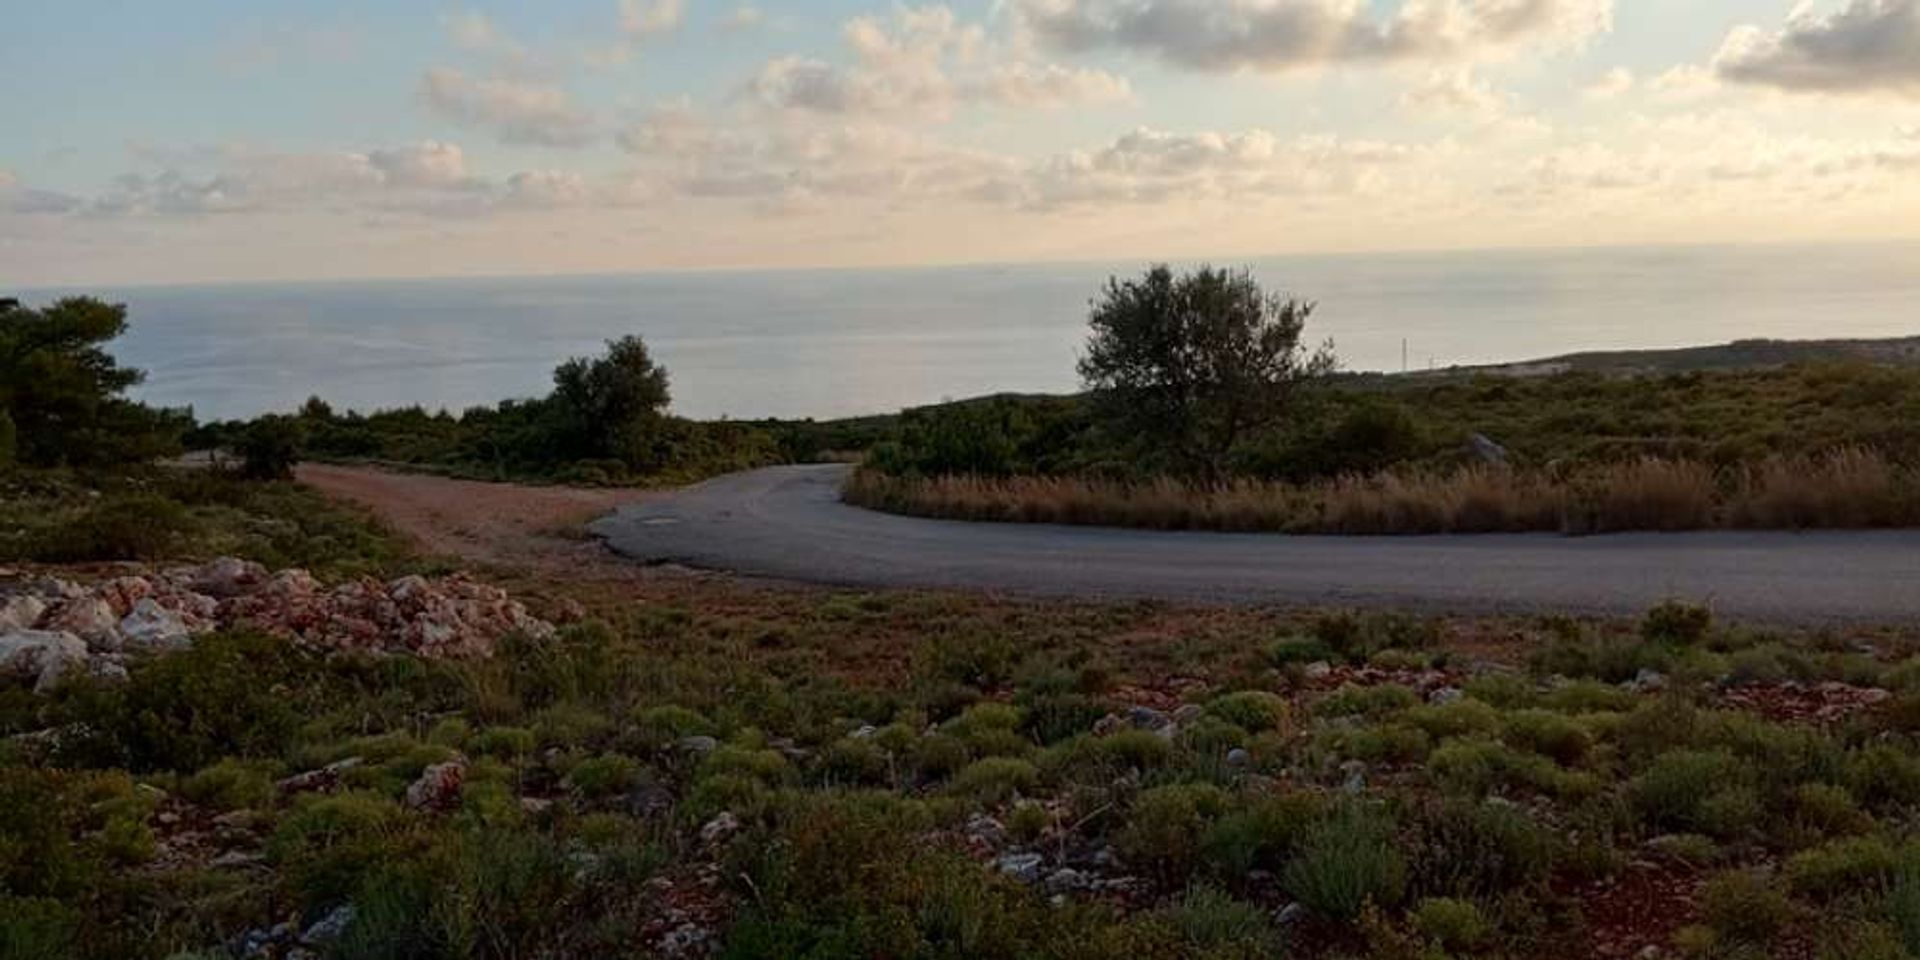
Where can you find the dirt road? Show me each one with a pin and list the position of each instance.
(536, 529)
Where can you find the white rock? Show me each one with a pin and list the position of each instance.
(21, 612)
(152, 626)
(40, 655)
(91, 619)
(228, 577)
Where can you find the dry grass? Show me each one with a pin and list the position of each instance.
(1849, 488)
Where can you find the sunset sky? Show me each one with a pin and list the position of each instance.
(247, 140)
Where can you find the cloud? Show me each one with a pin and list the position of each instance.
(1869, 46)
(743, 18)
(1457, 91)
(925, 60)
(645, 18)
(547, 189)
(1611, 85)
(1149, 166)
(428, 163)
(1281, 35)
(16, 198)
(514, 111)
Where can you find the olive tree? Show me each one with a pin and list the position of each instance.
(1190, 365)
(612, 406)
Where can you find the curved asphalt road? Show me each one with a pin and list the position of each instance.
(789, 523)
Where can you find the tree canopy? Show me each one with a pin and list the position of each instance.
(1192, 364)
(62, 395)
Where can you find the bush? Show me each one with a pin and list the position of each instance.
(227, 695)
(1347, 862)
(231, 785)
(125, 526)
(1455, 925)
(327, 845)
(1474, 849)
(1842, 867)
(1214, 925)
(604, 776)
(996, 780)
(1743, 907)
(1253, 710)
(1677, 622)
(1164, 827)
(1258, 833)
(1694, 791)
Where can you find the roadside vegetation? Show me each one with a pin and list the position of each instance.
(852, 775)
(1187, 426)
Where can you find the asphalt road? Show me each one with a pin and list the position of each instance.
(789, 523)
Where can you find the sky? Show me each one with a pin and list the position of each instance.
(243, 140)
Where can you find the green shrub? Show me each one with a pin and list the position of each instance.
(660, 727)
(603, 776)
(39, 928)
(1378, 701)
(506, 743)
(1474, 849)
(1460, 718)
(227, 695)
(1289, 651)
(1550, 734)
(1455, 925)
(1252, 710)
(1587, 696)
(1824, 809)
(995, 780)
(327, 845)
(1214, 925)
(850, 762)
(1697, 791)
(1842, 867)
(938, 756)
(1164, 827)
(1258, 833)
(1741, 906)
(1677, 622)
(232, 785)
(124, 526)
(1347, 861)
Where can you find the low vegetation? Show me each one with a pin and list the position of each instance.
(1288, 446)
(849, 775)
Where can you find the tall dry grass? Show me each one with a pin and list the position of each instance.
(1853, 487)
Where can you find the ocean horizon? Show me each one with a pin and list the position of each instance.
(842, 342)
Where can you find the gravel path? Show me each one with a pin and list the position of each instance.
(788, 522)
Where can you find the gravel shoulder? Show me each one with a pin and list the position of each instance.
(788, 523)
(537, 529)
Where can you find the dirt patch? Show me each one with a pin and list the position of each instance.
(503, 525)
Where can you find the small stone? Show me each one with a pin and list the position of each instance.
(325, 778)
(1188, 713)
(865, 732)
(438, 787)
(330, 927)
(43, 656)
(91, 619)
(1647, 681)
(1291, 914)
(986, 830)
(228, 577)
(720, 828)
(1317, 670)
(21, 612)
(1147, 718)
(698, 744)
(1239, 758)
(1066, 880)
(1355, 772)
(1024, 867)
(236, 860)
(1445, 695)
(535, 806)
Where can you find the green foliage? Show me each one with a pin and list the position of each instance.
(1743, 907)
(1843, 866)
(1193, 364)
(62, 393)
(227, 695)
(1164, 828)
(1252, 710)
(270, 447)
(1677, 622)
(132, 526)
(603, 776)
(1697, 791)
(996, 779)
(328, 845)
(1214, 925)
(1455, 925)
(1346, 862)
(1477, 849)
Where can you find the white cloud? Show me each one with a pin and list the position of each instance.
(1458, 91)
(1611, 85)
(926, 60)
(1280, 35)
(745, 17)
(1684, 82)
(547, 189)
(17, 198)
(642, 18)
(514, 111)
(1869, 46)
(428, 163)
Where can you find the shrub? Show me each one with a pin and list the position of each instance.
(231, 785)
(1354, 700)
(1346, 862)
(124, 526)
(604, 776)
(1288, 651)
(1677, 622)
(850, 762)
(507, 743)
(1743, 907)
(1164, 827)
(1457, 719)
(227, 695)
(1551, 734)
(1842, 867)
(1475, 849)
(1455, 925)
(1214, 925)
(1698, 792)
(995, 780)
(659, 727)
(1253, 710)
(1259, 832)
(938, 756)
(328, 844)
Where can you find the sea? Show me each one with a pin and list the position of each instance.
(835, 343)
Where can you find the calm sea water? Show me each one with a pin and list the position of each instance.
(834, 343)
